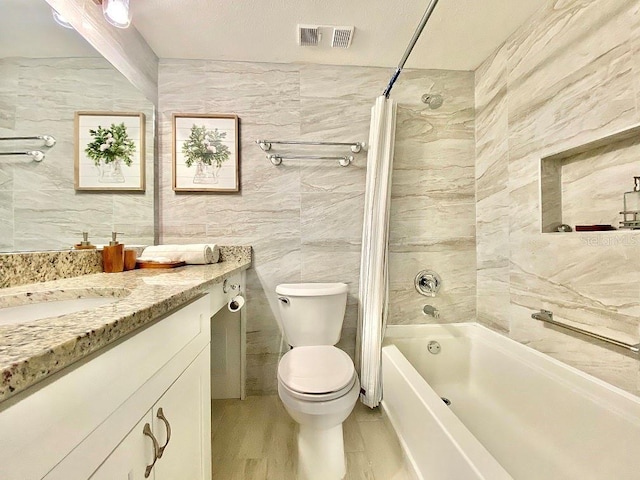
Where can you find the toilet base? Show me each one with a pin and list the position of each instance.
(321, 453)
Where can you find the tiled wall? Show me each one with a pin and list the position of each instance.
(569, 76)
(304, 218)
(39, 208)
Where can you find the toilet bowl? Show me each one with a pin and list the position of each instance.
(317, 381)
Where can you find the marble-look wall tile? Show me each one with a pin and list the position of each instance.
(567, 77)
(454, 261)
(46, 212)
(304, 218)
(8, 92)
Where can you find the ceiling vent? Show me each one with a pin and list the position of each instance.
(342, 37)
(309, 35)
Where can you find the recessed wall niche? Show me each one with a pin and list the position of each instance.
(584, 185)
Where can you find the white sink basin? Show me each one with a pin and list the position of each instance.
(28, 307)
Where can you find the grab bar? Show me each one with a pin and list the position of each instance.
(266, 144)
(547, 317)
(49, 141)
(343, 160)
(36, 155)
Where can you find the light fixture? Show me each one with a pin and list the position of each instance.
(60, 20)
(117, 12)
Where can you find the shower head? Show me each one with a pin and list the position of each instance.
(434, 100)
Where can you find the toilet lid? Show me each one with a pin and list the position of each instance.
(316, 369)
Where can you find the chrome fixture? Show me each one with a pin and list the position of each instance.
(564, 228)
(427, 283)
(117, 12)
(60, 20)
(284, 300)
(344, 160)
(433, 100)
(431, 311)
(265, 145)
(36, 155)
(412, 43)
(156, 447)
(226, 286)
(49, 141)
(167, 425)
(546, 316)
(434, 347)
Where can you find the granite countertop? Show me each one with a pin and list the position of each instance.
(30, 352)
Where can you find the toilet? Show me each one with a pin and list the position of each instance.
(317, 381)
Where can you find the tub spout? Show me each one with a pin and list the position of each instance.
(431, 311)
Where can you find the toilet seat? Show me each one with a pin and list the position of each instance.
(316, 373)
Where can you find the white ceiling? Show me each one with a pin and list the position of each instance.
(459, 36)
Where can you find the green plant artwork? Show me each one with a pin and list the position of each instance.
(111, 144)
(205, 147)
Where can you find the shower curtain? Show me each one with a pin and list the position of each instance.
(374, 288)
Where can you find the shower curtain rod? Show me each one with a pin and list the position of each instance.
(412, 43)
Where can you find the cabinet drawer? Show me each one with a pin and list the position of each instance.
(45, 426)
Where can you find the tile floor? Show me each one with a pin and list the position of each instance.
(255, 439)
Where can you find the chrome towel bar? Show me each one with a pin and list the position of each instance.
(547, 317)
(48, 140)
(265, 145)
(36, 155)
(343, 160)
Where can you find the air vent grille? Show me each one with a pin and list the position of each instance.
(342, 37)
(308, 35)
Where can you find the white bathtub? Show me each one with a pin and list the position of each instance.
(515, 413)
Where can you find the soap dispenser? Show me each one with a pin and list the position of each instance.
(85, 244)
(113, 255)
(631, 212)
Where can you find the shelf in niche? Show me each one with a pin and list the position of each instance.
(584, 184)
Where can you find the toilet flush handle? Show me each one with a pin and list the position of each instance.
(284, 300)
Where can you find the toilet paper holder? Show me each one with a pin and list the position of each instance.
(236, 303)
(226, 285)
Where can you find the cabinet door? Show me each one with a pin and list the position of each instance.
(131, 457)
(187, 409)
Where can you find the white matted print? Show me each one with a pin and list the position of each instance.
(109, 151)
(205, 153)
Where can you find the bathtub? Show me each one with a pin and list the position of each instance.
(515, 413)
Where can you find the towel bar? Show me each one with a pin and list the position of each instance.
(547, 317)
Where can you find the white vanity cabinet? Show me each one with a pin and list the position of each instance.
(179, 411)
(88, 421)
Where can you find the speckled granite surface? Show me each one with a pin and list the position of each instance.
(32, 351)
(31, 267)
(235, 253)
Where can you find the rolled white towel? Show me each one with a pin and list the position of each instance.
(194, 254)
(216, 252)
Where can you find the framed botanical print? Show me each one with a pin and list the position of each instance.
(205, 153)
(109, 151)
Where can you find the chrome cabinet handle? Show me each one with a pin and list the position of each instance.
(147, 431)
(161, 416)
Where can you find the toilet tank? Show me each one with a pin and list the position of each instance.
(312, 313)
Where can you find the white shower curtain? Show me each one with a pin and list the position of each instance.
(374, 288)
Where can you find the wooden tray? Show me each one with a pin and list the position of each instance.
(144, 264)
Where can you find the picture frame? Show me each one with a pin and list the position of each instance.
(109, 151)
(206, 155)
